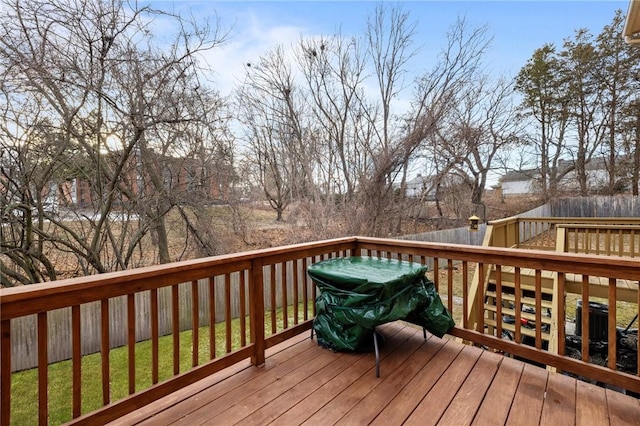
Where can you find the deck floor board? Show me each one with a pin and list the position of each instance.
(592, 401)
(559, 403)
(437, 400)
(391, 386)
(437, 381)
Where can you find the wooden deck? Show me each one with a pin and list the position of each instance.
(434, 382)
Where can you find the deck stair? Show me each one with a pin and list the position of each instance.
(605, 237)
(527, 305)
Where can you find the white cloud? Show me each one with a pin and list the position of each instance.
(250, 38)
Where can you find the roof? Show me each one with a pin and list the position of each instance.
(519, 175)
(597, 163)
(632, 24)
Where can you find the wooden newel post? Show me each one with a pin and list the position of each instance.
(5, 372)
(256, 311)
(474, 221)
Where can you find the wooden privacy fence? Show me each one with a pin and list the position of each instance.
(595, 206)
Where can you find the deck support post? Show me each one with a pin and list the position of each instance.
(256, 311)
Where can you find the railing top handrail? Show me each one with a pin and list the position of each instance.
(579, 263)
(568, 220)
(505, 220)
(596, 226)
(34, 298)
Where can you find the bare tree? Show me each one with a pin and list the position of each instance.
(616, 71)
(481, 126)
(269, 108)
(92, 71)
(334, 72)
(348, 146)
(444, 96)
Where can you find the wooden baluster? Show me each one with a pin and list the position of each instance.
(450, 285)
(518, 304)
(175, 312)
(561, 312)
(104, 350)
(195, 323)
(480, 293)
(296, 287)
(227, 310)
(436, 278)
(587, 238)
(285, 305)
(256, 300)
(155, 336)
(5, 372)
(499, 301)
(76, 362)
(612, 359)
(538, 315)
(243, 309)
(305, 290)
(131, 340)
(465, 294)
(314, 295)
(43, 370)
(212, 317)
(585, 318)
(621, 244)
(272, 287)
(314, 289)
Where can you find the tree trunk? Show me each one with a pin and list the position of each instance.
(636, 159)
(162, 239)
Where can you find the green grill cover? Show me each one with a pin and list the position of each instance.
(359, 293)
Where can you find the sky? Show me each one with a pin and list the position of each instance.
(517, 27)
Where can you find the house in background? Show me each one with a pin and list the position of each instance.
(518, 182)
(526, 181)
(421, 187)
(632, 23)
(204, 182)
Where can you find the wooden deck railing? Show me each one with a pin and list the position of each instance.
(275, 295)
(538, 232)
(604, 240)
